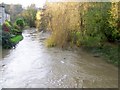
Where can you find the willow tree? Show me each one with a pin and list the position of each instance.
(63, 19)
(79, 23)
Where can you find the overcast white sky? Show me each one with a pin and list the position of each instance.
(25, 3)
(40, 3)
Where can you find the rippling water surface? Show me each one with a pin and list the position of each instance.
(32, 65)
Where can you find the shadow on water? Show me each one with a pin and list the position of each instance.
(32, 65)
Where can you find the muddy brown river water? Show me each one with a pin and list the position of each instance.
(32, 65)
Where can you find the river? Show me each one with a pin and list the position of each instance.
(32, 65)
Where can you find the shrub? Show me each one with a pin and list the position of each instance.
(16, 31)
(15, 26)
(8, 32)
(6, 40)
(50, 43)
(6, 26)
(20, 23)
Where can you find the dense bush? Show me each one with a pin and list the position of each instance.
(10, 32)
(6, 26)
(6, 40)
(15, 26)
(19, 22)
(95, 22)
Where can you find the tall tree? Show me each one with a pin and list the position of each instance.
(29, 15)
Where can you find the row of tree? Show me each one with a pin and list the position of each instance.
(29, 15)
(83, 23)
(17, 11)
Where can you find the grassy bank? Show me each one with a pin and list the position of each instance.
(110, 52)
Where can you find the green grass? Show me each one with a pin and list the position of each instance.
(16, 39)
